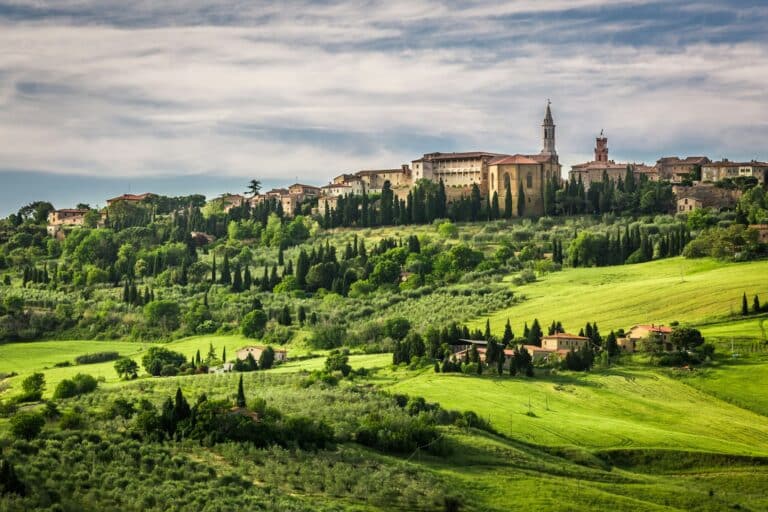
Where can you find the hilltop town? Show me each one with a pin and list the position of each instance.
(527, 182)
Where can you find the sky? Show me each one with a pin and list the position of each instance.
(98, 98)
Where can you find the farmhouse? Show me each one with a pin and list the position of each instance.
(563, 341)
(639, 333)
(130, 198)
(57, 219)
(281, 355)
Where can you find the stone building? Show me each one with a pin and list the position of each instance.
(718, 171)
(58, 219)
(705, 195)
(676, 170)
(602, 166)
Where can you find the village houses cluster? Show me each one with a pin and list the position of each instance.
(694, 179)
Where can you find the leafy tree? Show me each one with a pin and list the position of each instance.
(80, 384)
(338, 361)
(33, 387)
(27, 425)
(157, 358)
(397, 328)
(253, 324)
(163, 313)
(686, 338)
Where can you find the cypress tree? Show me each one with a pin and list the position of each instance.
(240, 394)
(756, 305)
(487, 334)
(507, 199)
(126, 293)
(508, 334)
(247, 278)
(213, 269)
(495, 214)
(224, 354)
(226, 277)
(280, 258)
(744, 305)
(237, 280)
(520, 200)
(534, 335)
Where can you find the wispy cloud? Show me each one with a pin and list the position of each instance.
(313, 89)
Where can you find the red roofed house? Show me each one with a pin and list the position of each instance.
(131, 198)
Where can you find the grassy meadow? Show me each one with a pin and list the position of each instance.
(662, 291)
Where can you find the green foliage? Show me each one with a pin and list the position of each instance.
(163, 313)
(159, 358)
(253, 324)
(80, 384)
(127, 368)
(338, 361)
(27, 425)
(98, 357)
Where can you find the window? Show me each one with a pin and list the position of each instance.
(529, 180)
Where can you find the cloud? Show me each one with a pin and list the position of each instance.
(314, 89)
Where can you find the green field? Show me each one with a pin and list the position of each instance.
(662, 291)
(749, 328)
(622, 408)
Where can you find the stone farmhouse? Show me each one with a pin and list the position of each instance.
(281, 355)
(58, 219)
(130, 198)
(676, 170)
(636, 334)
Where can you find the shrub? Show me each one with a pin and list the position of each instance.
(157, 358)
(27, 425)
(80, 384)
(98, 357)
(328, 336)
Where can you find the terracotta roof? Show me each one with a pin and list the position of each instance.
(369, 172)
(72, 210)
(728, 163)
(610, 165)
(458, 156)
(655, 328)
(302, 185)
(686, 160)
(131, 197)
(565, 335)
(514, 159)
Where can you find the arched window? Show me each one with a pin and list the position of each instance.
(529, 180)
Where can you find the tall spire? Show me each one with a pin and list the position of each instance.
(548, 132)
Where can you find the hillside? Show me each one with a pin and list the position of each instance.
(676, 289)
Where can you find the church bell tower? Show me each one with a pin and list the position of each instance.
(548, 136)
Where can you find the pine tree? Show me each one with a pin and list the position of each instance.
(280, 258)
(240, 402)
(744, 305)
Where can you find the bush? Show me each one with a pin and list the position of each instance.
(80, 384)
(328, 336)
(157, 358)
(98, 357)
(27, 425)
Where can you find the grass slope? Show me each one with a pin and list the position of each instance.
(622, 408)
(691, 291)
